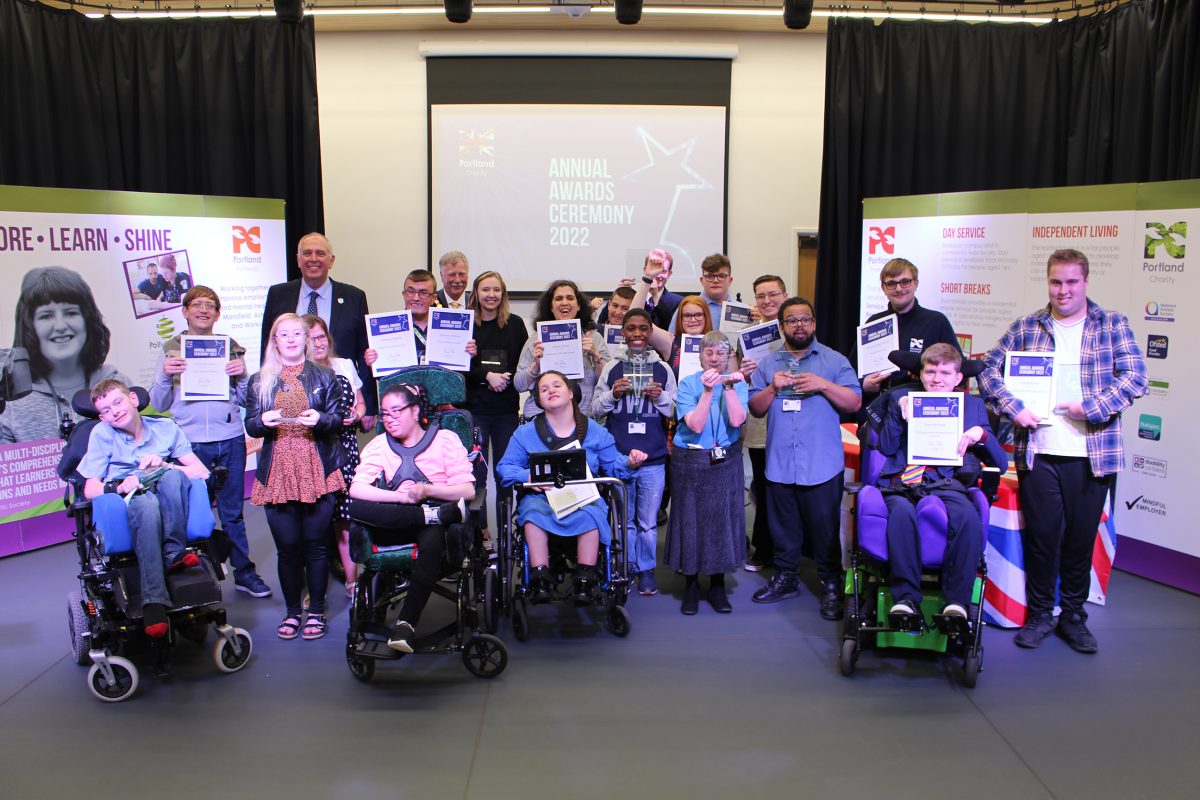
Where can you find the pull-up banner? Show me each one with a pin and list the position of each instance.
(982, 261)
(93, 284)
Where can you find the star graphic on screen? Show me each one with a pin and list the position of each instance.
(678, 156)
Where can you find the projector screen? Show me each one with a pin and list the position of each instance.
(545, 191)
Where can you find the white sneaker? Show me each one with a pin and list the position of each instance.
(954, 610)
(401, 638)
(903, 607)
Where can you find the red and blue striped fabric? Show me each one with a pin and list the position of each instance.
(1004, 598)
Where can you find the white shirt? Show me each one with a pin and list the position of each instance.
(1066, 436)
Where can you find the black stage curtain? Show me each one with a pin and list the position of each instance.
(922, 108)
(216, 107)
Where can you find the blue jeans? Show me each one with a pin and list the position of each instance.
(644, 493)
(231, 454)
(158, 522)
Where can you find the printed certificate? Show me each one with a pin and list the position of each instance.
(204, 377)
(1030, 376)
(446, 342)
(613, 337)
(734, 317)
(391, 335)
(875, 341)
(759, 341)
(689, 355)
(935, 427)
(562, 347)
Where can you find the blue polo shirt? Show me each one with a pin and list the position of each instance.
(805, 447)
(112, 453)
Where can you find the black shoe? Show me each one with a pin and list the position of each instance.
(1036, 628)
(1072, 627)
(718, 600)
(540, 586)
(783, 585)
(452, 513)
(401, 637)
(831, 601)
(691, 599)
(584, 587)
(661, 518)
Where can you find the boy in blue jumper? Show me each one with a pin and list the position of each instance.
(636, 392)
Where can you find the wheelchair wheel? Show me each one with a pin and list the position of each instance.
(226, 657)
(78, 621)
(363, 669)
(123, 684)
(485, 656)
(520, 620)
(848, 657)
(971, 666)
(619, 621)
(491, 599)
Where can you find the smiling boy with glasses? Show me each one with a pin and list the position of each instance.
(918, 326)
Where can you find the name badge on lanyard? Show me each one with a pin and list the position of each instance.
(637, 428)
(791, 404)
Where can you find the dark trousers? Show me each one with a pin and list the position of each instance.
(797, 513)
(964, 545)
(495, 431)
(396, 523)
(760, 537)
(301, 531)
(1062, 503)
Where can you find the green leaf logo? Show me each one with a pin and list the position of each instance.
(1170, 238)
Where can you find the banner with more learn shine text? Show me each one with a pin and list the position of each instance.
(94, 284)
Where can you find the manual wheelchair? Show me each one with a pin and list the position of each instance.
(105, 615)
(385, 571)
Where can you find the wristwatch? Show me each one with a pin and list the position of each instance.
(646, 279)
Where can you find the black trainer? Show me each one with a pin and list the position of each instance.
(831, 601)
(1072, 626)
(1036, 628)
(584, 587)
(540, 586)
(782, 586)
(719, 600)
(691, 599)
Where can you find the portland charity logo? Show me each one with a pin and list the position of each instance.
(476, 148)
(881, 239)
(1156, 346)
(248, 238)
(1169, 238)
(1150, 427)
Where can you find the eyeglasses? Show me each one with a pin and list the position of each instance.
(693, 316)
(421, 293)
(903, 283)
(792, 322)
(769, 295)
(319, 337)
(288, 337)
(716, 277)
(396, 412)
(203, 305)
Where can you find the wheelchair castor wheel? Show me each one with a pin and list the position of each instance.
(520, 621)
(619, 621)
(848, 657)
(971, 666)
(363, 669)
(120, 686)
(485, 656)
(231, 654)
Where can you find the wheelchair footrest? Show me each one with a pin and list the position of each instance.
(369, 646)
(954, 626)
(907, 623)
(193, 587)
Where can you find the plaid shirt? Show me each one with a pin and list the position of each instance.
(1113, 374)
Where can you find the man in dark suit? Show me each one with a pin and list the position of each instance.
(341, 305)
(456, 276)
(661, 304)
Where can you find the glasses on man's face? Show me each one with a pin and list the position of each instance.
(290, 337)
(792, 322)
(716, 277)
(395, 413)
(202, 305)
(699, 315)
(318, 337)
(769, 295)
(903, 283)
(421, 293)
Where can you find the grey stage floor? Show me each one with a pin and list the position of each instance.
(745, 705)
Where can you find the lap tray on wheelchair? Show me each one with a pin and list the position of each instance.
(109, 514)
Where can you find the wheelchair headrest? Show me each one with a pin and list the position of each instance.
(911, 362)
(440, 386)
(82, 404)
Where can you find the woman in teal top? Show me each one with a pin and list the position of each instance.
(707, 531)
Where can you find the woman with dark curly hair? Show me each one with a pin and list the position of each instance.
(60, 325)
(562, 300)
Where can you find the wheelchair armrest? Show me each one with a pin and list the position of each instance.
(852, 487)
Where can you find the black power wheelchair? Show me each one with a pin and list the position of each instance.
(105, 615)
(467, 574)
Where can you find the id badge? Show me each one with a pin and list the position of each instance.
(637, 427)
(791, 404)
